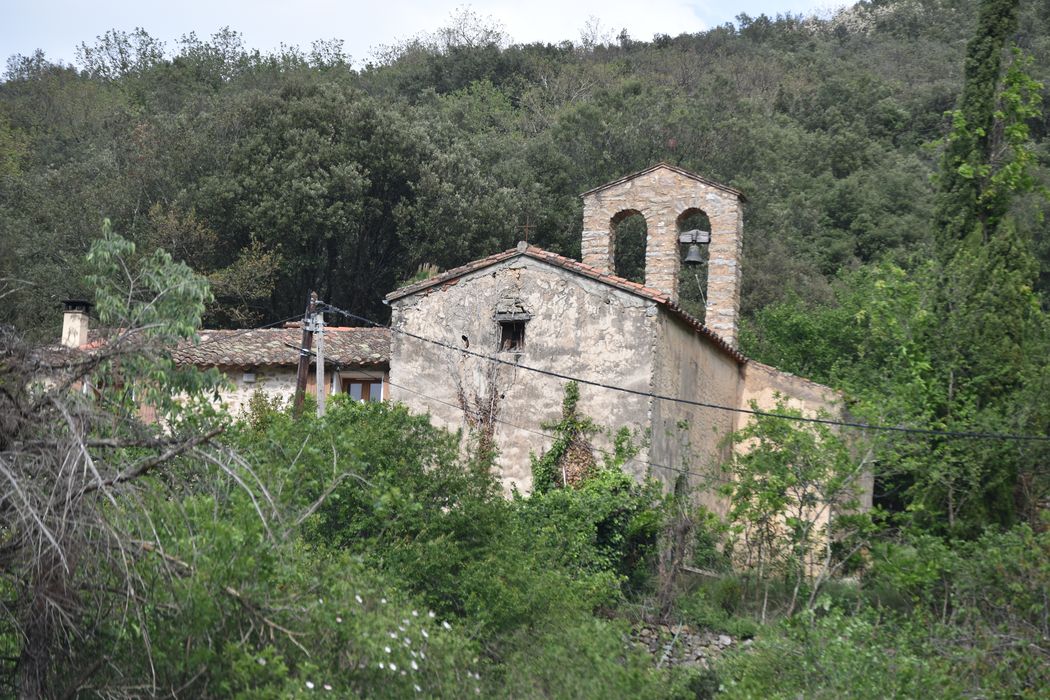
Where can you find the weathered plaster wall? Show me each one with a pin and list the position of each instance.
(279, 381)
(762, 383)
(662, 195)
(689, 437)
(579, 327)
(274, 381)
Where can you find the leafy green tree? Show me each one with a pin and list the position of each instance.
(788, 488)
(74, 452)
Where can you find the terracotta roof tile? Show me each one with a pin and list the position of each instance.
(280, 346)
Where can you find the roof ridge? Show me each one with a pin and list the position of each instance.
(664, 164)
(536, 253)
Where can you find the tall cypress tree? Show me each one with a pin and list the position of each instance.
(964, 170)
(992, 338)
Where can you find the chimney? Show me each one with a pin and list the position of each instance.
(75, 322)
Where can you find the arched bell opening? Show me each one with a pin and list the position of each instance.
(629, 236)
(694, 237)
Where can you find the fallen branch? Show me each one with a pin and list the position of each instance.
(146, 465)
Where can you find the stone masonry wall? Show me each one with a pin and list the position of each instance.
(661, 195)
(578, 327)
(687, 437)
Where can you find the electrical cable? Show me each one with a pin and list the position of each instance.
(654, 465)
(930, 432)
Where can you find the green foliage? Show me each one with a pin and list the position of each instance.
(965, 200)
(444, 149)
(147, 304)
(835, 656)
(240, 610)
(786, 492)
(945, 619)
(387, 487)
(571, 434)
(600, 667)
(609, 524)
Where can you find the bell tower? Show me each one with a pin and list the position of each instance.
(664, 195)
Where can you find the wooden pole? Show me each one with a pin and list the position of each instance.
(304, 356)
(319, 345)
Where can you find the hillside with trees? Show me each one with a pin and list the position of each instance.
(896, 160)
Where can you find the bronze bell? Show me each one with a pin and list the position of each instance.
(693, 257)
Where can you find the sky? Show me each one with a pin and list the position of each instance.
(59, 26)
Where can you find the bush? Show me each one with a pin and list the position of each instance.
(837, 656)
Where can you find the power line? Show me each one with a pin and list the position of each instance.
(654, 465)
(932, 432)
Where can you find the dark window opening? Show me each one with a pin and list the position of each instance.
(630, 237)
(511, 336)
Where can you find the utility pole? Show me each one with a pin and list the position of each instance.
(319, 334)
(304, 356)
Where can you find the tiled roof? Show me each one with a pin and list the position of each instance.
(449, 278)
(681, 171)
(280, 346)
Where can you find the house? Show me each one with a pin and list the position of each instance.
(546, 318)
(266, 359)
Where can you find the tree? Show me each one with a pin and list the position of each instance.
(791, 489)
(74, 448)
(966, 167)
(994, 335)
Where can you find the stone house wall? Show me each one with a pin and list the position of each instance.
(686, 437)
(763, 384)
(578, 327)
(279, 381)
(275, 380)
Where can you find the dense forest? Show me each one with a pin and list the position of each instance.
(896, 161)
(278, 173)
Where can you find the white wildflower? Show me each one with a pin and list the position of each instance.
(359, 600)
(415, 666)
(444, 623)
(415, 613)
(382, 665)
(383, 601)
(386, 649)
(310, 685)
(431, 614)
(418, 689)
(426, 635)
(339, 620)
(261, 661)
(393, 666)
(393, 635)
(327, 687)
(408, 642)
